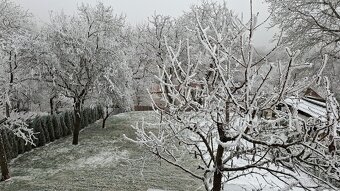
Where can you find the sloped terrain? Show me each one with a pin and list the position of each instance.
(102, 161)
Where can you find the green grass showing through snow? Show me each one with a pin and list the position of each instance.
(102, 161)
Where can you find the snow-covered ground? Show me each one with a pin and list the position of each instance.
(104, 160)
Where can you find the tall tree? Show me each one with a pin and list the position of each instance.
(80, 48)
(219, 121)
(14, 34)
(313, 27)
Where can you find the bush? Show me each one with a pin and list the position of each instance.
(83, 120)
(100, 112)
(43, 123)
(13, 143)
(71, 115)
(28, 147)
(63, 127)
(21, 145)
(49, 127)
(68, 122)
(37, 128)
(90, 116)
(94, 114)
(86, 117)
(7, 144)
(56, 127)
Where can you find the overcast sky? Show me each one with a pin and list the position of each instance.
(138, 11)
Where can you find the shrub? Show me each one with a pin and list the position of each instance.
(28, 147)
(56, 127)
(43, 123)
(88, 116)
(63, 127)
(68, 122)
(21, 145)
(49, 127)
(83, 121)
(37, 128)
(7, 143)
(71, 115)
(13, 143)
(99, 112)
(94, 114)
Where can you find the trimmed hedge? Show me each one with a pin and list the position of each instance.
(47, 129)
(56, 127)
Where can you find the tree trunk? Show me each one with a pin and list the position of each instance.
(105, 116)
(217, 184)
(11, 80)
(7, 108)
(167, 88)
(52, 108)
(51, 105)
(104, 121)
(76, 122)
(3, 161)
(218, 174)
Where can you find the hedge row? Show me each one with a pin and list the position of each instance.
(48, 128)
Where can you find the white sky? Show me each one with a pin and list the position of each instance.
(138, 11)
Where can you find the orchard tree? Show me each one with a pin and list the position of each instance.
(313, 27)
(113, 90)
(79, 49)
(309, 24)
(151, 51)
(219, 121)
(15, 32)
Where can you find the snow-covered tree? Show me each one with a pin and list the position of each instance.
(219, 120)
(14, 34)
(113, 90)
(311, 26)
(79, 49)
(149, 52)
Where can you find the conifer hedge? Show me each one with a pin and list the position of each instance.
(47, 129)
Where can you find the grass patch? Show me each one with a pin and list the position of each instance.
(102, 161)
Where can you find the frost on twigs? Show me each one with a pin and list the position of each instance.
(17, 123)
(232, 114)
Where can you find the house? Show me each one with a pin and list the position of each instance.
(311, 104)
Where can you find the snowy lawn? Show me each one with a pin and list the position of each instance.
(102, 161)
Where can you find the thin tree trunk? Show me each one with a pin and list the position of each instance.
(7, 108)
(51, 105)
(76, 122)
(167, 88)
(3, 161)
(11, 80)
(218, 174)
(104, 121)
(217, 184)
(105, 116)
